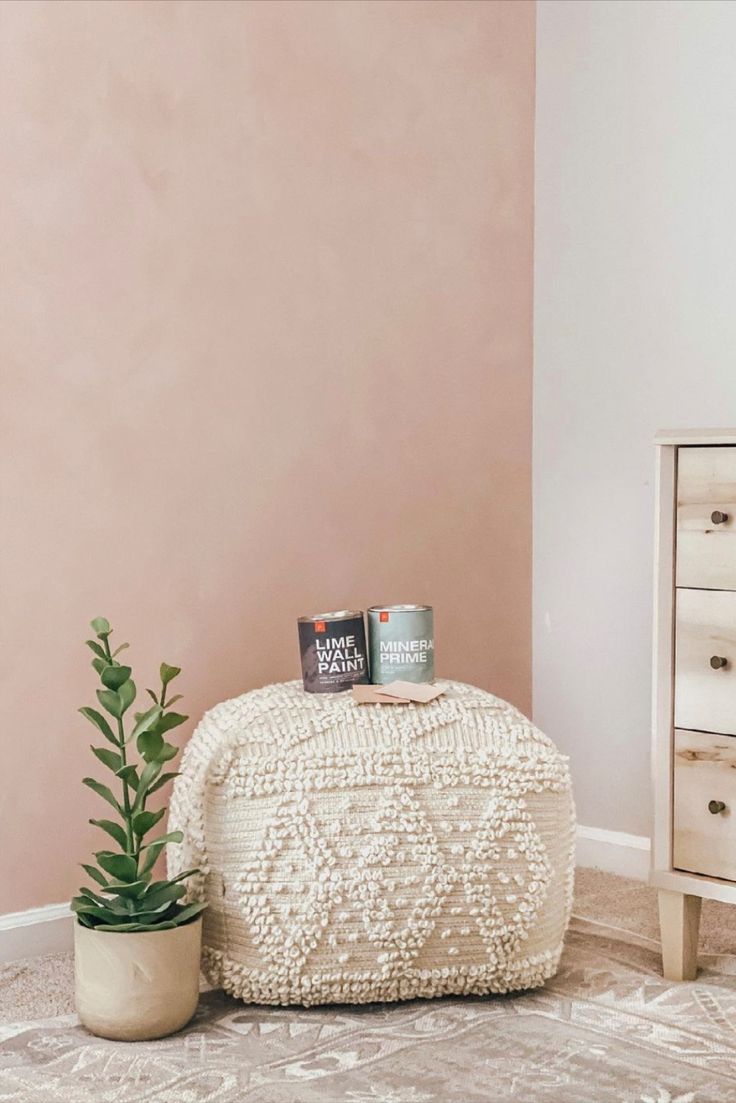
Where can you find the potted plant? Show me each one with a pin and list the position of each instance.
(136, 942)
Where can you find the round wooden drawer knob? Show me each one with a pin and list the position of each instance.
(718, 662)
(716, 806)
(718, 518)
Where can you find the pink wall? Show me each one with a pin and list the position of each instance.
(266, 312)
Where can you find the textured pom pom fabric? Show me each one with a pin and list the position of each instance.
(354, 853)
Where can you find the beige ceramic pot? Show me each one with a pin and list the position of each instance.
(134, 987)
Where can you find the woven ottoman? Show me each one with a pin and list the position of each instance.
(352, 853)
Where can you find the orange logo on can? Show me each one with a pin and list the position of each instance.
(319, 626)
(383, 617)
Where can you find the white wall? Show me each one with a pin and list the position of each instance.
(635, 290)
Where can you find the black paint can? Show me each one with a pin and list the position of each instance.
(333, 651)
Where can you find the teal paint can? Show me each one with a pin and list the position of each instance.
(401, 643)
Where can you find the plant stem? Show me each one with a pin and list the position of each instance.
(126, 795)
(130, 847)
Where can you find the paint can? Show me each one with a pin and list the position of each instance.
(401, 643)
(333, 651)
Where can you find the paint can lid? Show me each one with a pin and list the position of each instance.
(339, 614)
(400, 609)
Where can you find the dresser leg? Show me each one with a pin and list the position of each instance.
(679, 919)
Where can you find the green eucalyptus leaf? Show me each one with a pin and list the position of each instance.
(128, 773)
(154, 887)
(150, 858)
(115, 830)
(174, 699)
(167, 752)
(140, 913)
(99, 665)
(170, 720)
(82, 906)
(168, 673)
(111, 702)
(120, 905)
(158, 894)
(101, 627)
(152, 695)
(161, 892)
(108, 758)
(141, 927)
(102, 791)
(182, 876)
(169, 837)
(119, 914)
(127, 889)
(126, 693)
(99, 722)
(144, 821)
(94, 872)
(188, 912)
(114, 676)
(123, 917)
(93, 897)
(150, 745)
(121, 866)
(162, 780)
(146, 721)
(99, 651)
(119, 649)
(151, 854)
(150, 771)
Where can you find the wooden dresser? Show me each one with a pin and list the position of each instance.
(694, 687)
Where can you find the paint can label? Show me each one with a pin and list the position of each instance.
(333, 651)
(401, 643)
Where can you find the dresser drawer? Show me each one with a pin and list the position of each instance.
(704, 834)
(706, 493)
(705, 635)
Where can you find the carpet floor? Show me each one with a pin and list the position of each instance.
(606, 1029)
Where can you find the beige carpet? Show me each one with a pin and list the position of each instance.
(607, 1029)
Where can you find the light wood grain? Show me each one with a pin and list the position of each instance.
(679, 921)
(704, 623)
(695, 436)
(710, 888)
(662, 681)
(705, 699)
(705, 770)
(706, 552)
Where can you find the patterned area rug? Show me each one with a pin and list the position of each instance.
(607, 1029)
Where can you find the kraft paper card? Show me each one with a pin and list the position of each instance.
(374, 695)
(421, 693)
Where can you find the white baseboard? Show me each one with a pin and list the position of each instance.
(47, 930)
(613, 851)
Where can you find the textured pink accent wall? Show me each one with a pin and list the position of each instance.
(266, 349)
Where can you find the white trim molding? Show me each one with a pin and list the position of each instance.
(613, 851)
(46, 930)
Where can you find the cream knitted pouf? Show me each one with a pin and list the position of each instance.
(352, 853)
